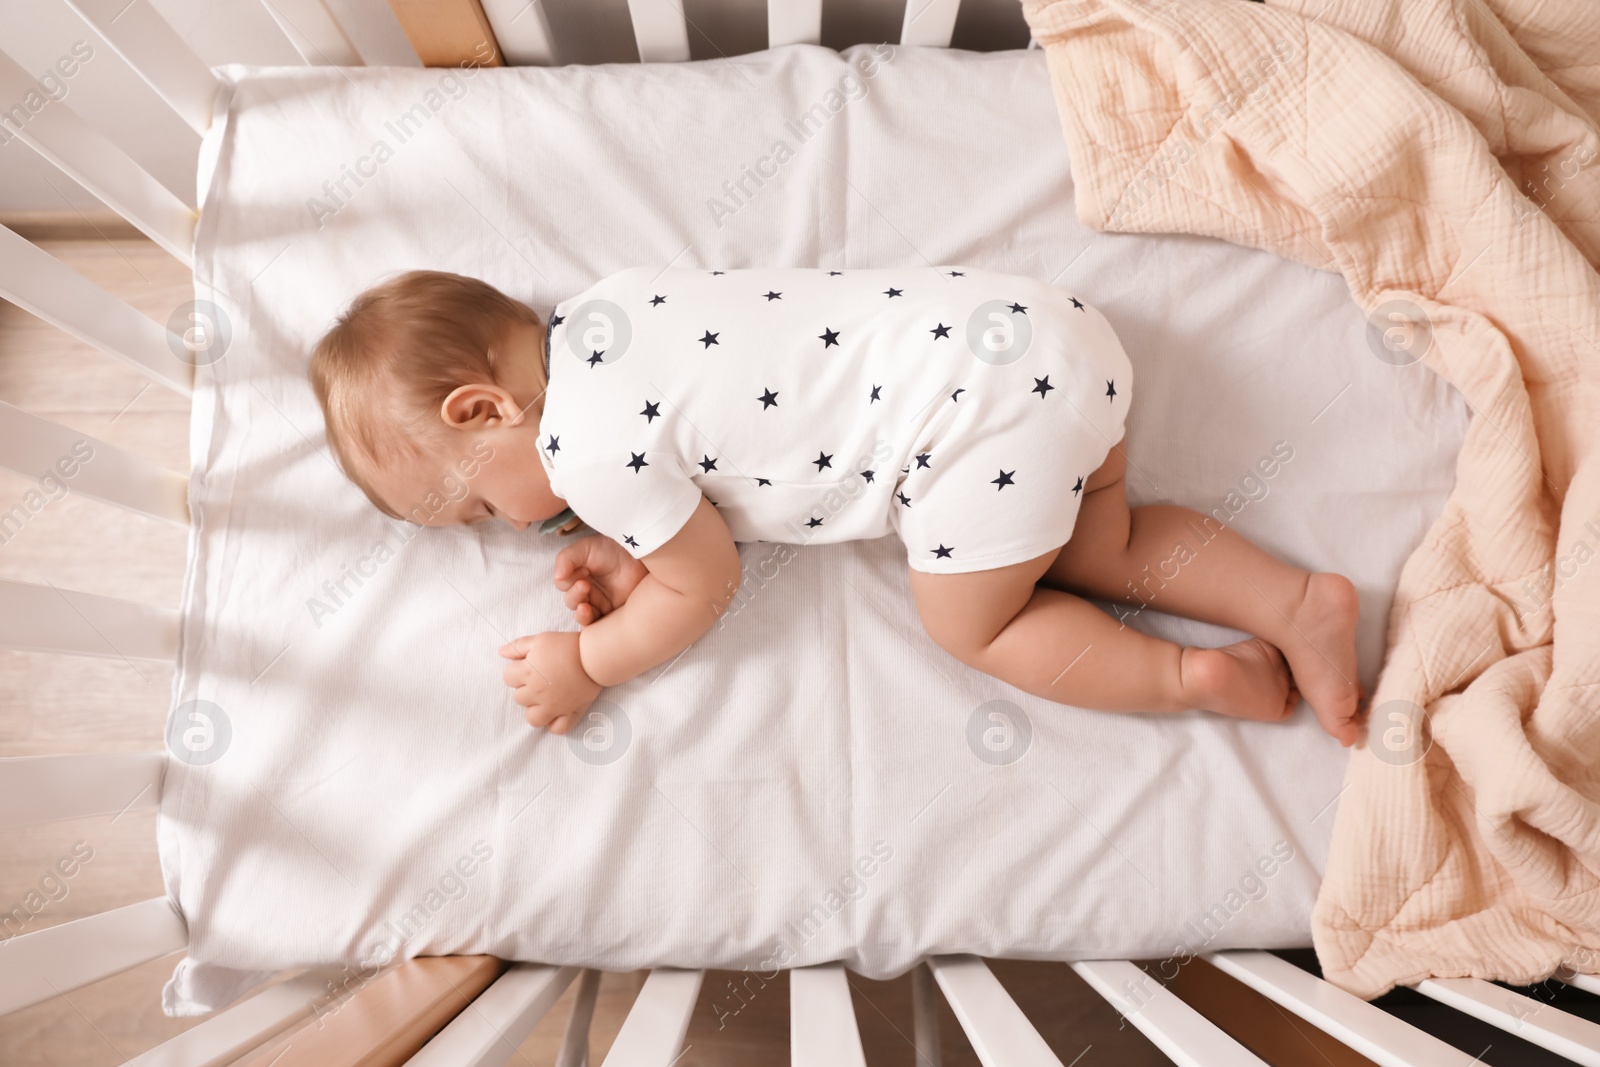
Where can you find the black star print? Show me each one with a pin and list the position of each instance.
(823, 460)
(1004, 480)
(892, 292)
(1017, 309)
(905, 500)
(630, 542)
(636, 462)
(710, 339)
(708, 464)
(906, 469)
(1077, 303)
(1079, 487)
(716, 272)
(771, 296)
(813, 522)
(943, 552)
(597, 359)
(762, 481)
(939, 331)
(958, 274)
(1111, 392)
(835, 273)
(768, 399)
(957, 393)
(868, 475)
(652, 410)
(828, 337)
(922, 459)
(657, 300)
(557, 320)
(875, 395)
(554, 446)
(1041, 386)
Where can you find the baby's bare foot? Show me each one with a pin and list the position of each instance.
(1321, 649)
(1248, 680)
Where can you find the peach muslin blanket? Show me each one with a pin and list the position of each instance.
(1443, 156)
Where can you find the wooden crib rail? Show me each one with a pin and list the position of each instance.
(40, 283)
(35, 967)
(500, 1019)
(233, 1033)
(1565, 1035)
(65, 461)
(1186, 1036)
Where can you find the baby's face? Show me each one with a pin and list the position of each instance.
(483, 465)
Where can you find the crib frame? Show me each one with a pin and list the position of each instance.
(477, 1010)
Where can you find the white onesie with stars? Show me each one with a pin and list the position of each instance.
(961, 409)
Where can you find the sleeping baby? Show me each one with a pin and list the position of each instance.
(977, 416)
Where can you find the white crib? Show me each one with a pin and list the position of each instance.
(505, 1003)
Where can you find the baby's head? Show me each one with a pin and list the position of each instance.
(432, 385)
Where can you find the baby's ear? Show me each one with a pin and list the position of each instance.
(475, 405)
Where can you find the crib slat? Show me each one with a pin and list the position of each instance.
(822, 1019)
(523, 30)
(40, 618)
(42, 789)
(1371, 1031)
(228, 1035)
(89, 158)
(149, 44)
(1000, 1034)
(488, 1032)
(794, 22)
(37, 448)
(931, 23)
(1188, 1038)
(660, 30)
(381, 1020)
(1539, 1024)
(574, 1050)
(314, 33)
(35, 280)
(925, 1017)
(37, 966)
(653, 1032)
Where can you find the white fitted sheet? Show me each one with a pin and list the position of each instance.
(374, 747)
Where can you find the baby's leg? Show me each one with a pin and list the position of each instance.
(1179, 561)
(1056, 646)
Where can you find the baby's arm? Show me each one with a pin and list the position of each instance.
(691, 580)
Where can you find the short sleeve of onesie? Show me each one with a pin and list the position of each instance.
(638, 499)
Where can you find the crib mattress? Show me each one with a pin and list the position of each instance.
(815, 779)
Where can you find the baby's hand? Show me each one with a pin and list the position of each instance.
(547, 678)
(598, 576)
